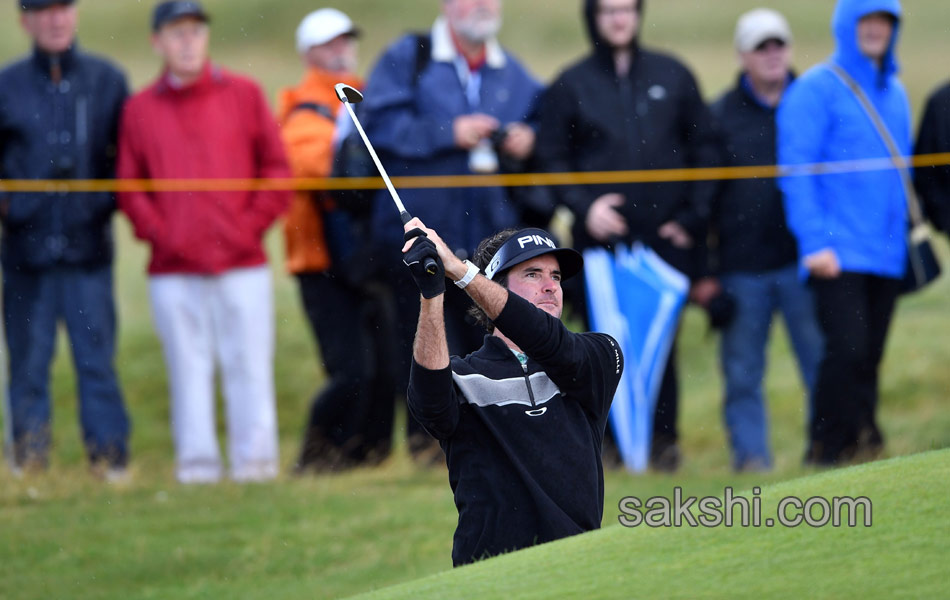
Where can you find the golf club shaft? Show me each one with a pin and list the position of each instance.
(430, 265)
(403, 214)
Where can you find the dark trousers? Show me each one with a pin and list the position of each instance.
(667, 403)
(33, 303)
(351, 417)
(854, 312)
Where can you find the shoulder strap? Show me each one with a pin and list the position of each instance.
(321, 109)
(913, 207)
(423, 55)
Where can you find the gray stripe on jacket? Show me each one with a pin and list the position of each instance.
(483, 391)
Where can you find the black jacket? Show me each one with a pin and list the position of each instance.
(933, 183)
(58, 131)
(748, 225)
(654, 118)
(523, 447)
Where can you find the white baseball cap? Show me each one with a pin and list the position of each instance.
(321, 26)
(759, 25)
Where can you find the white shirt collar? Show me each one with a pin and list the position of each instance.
(443, 49)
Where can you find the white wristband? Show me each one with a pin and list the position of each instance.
(469, 275)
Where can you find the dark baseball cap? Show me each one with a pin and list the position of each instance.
(40, 4)
(529, 243)
(166, 12)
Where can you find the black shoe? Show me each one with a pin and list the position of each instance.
(319, 455)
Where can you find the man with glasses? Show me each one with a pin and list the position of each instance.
(625, 107)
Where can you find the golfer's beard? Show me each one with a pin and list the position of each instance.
(478, 28)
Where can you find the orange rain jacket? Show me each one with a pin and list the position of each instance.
(307, 129)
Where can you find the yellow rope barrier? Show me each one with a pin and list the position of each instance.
(455, 181)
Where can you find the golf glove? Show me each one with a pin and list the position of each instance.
(430, 285)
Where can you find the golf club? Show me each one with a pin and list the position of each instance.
(349, 95)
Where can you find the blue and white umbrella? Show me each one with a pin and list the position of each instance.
(636, 297)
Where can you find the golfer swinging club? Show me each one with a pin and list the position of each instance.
(522, 419)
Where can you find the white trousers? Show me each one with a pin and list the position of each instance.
(228, 318)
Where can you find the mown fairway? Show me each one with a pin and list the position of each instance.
(63, 535)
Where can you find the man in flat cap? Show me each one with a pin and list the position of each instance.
(209, 283)
(59, 112)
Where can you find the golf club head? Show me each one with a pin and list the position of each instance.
(348, 93)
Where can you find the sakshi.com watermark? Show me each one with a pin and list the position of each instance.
(731, 510)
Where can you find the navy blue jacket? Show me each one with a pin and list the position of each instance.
(861, 216)
(523, 446)
(410, 124)
(58, 131)
(748, 218)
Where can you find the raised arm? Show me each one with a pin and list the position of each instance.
(585, 366)
(431, 394)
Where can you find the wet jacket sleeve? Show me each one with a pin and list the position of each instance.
(554, 149)
(703, 150)
(802, 121)
(585, 366)
(432, 400)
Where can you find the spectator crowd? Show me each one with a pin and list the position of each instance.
(830, 251)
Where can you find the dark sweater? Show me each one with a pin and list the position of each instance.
(523, 447)
(748, 218)
(654, 118)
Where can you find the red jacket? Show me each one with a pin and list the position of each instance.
(218, 127)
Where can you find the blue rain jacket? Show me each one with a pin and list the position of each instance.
(862, 215)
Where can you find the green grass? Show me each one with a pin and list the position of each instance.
(64, 535)
(902, 552)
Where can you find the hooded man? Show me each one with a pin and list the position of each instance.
(625, 107)
(59, 119)
(850, 227)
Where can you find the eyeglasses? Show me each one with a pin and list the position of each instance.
(770, 44)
